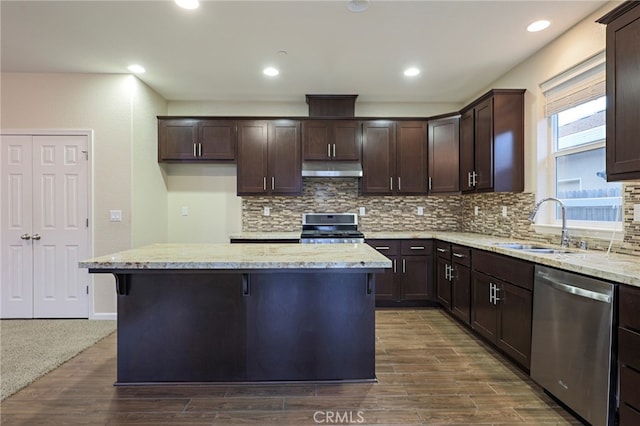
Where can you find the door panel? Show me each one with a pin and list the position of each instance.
(60, 212)
(252, 157)
(378, 157)
(416, 272)
(284, 157)
(411, 157)
(484, 145)
(485, 313)
(17, 254)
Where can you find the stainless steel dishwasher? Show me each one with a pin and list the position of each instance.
(572, 341)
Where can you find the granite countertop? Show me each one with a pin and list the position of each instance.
(241, 256)
(619, 268)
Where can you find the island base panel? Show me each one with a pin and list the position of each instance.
(231, 327)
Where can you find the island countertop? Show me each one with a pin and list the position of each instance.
(241, 256)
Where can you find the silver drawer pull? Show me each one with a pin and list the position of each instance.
(458, 255)
(417, 247)
(382, 248)
(441, 250)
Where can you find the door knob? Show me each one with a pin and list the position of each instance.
(25, 237)
(36, 236)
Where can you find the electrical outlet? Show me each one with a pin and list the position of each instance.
(362, 211)
(420, 211)
(504, 211)
(636, 212)
(185, 211)
(266, 211)
(476, 210)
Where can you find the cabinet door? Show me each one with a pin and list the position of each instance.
(443, 284)
(484, 311)
(285, 166)
(217, 139)
(378, 157)
(347, 140)
(461, 292)
(623, 104)
(514, 322)
(467, 150)
(386, 282)
(444, 155)
(177, 139)
(416, 276)
(252, 157)
(484, 145)
(411, 157)
(316, 136)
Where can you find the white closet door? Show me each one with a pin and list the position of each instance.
(44, 215)
(60, 232)
(16, 251)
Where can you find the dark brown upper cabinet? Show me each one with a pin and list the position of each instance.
(623, 91)
(331, 140)
(492, 143)
(199, 140)
(394, 157)
(269, 157)
(444, 155)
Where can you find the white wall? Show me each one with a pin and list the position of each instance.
(106, 104)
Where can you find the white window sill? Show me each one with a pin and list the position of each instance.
(575, 232)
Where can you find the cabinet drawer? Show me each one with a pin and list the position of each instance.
(411, 247)
(629, 307)
(629, 348)
(443, 250)
(386, 247)
(515, 271)
(628, 415)
(630, 387)
(461, 255)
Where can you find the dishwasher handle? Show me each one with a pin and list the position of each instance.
(572, 289)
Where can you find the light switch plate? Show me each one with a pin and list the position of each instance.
(362, 211)
(420, 211)
(636, 212)
(504, 211)
(266, 211)
(476, 209)
(115, 215)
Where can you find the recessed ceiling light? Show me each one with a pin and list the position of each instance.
(411, 72)
(188, 4)
(136, 69)
(538, 26)
(358, 5)
(270, 71)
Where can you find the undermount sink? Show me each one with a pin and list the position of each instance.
(533, 248)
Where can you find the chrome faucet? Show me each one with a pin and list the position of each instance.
(564, 237)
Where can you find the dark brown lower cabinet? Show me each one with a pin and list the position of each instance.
(410, 281)
(629, 355)
(502, 302)
(443, 283)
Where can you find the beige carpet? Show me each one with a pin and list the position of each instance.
(32, 348)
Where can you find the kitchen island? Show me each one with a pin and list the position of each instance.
(244, 312)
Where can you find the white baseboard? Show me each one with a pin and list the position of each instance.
(104, 316)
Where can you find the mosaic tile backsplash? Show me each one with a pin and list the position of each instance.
(441, 213)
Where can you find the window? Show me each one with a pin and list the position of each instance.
(576, 109)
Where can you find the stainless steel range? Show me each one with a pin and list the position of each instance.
(327, 228)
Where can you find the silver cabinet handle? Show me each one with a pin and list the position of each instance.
(264, 183)
(474, 181)
(329, 150)
(382, 247)
(417, 247)
(334, 150)
(430, 181)
(199, 150)
(273, 183)
(441, 250)
(394, 266)
(459, 255)
(447, 272)
(25, 237)
(35, 237)
(399, 184)
(491, 293)
(391, 183)
(469, 179)
(404, 266)
(496, 299)
(195, 154)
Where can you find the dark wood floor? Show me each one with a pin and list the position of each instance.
(430, 371)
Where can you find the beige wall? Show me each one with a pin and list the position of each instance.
(117, 109)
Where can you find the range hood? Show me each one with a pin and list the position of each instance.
(331, 169)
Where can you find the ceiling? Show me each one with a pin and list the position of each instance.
(218, 51)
